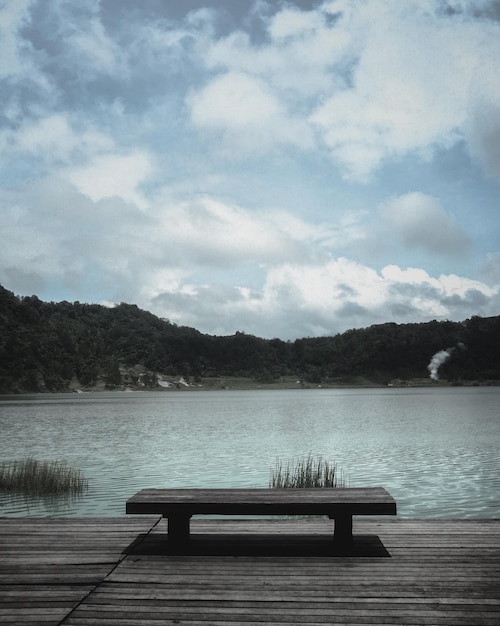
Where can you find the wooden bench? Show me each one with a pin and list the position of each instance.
(340, 504)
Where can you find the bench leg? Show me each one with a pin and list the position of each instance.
(178, 529)
(342, 536)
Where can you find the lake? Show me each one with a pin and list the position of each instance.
(435, 449)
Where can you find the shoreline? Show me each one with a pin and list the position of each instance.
(228, 383)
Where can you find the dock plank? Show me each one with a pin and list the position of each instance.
(78, 572)
(48, 566)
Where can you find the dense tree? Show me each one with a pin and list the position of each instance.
(47, 346)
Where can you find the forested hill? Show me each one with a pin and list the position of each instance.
(61, 346)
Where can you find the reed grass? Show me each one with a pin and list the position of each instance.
(34, 477)
(311, 471)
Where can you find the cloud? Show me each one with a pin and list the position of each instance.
(52, 139)
(215, 233)
(57, 236)
(415, 292)
(211, 172)
(181, 261)
(490, 270)
(245, 112)
(94, 230)
(483, 122)
(418, 85)
(113, 175)
(326, 287)
(368, 82)
(291, 22)
(375, 81)
(14, 60)
(75, 36)
(98, 51)
(323, 299)
(22, 80)
(302, 56)
(409, 88)
(418, 220)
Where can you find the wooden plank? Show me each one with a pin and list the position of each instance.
(352, 501)
(439, 572)
(48, 566)
(295, 614)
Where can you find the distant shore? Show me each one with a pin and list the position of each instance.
(229, 383)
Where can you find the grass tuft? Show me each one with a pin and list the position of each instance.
(41, 477)
(312, 471)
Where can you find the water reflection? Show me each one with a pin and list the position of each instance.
(18, 504)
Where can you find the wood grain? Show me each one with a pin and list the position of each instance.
(82, 572)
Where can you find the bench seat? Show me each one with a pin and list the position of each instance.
(340, 504)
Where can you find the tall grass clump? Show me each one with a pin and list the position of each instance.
(312, 471)
(36, 478)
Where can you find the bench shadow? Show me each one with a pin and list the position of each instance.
(256, 545)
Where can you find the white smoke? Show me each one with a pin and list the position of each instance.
(437, 360)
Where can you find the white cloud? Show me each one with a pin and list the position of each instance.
(114, 175)
(54, 139)
(291, 22)
(298, 300)
(302, 57)
(413, 293)
(419, 221)
(445, 286)
(410, 87)
(247, 114)
(381, 80)
(325, 288)
(235, 100)
(215, 233)
(162, 281)
(153, 258)
(122, 138)
(370, 81)
(56, 234)
(37, 233)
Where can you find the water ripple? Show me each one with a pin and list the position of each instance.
(436, 451)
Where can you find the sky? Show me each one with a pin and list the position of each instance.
(284, 169)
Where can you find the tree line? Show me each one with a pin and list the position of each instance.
(47, 346)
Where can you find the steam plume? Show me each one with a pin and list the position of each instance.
(437, 360)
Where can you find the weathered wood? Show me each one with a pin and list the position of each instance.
(432, 577)
(48, 566)
(352, 501)
(340, 504)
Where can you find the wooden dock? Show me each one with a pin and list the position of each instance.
(118, 571)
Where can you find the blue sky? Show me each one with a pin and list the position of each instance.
(286, 169)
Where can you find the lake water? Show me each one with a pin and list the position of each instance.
(436, 449)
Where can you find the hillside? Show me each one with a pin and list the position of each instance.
(47, 346)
